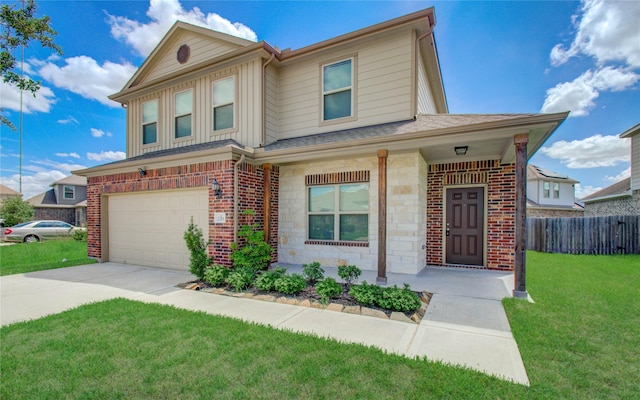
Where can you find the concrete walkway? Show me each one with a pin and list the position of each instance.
(465, 323)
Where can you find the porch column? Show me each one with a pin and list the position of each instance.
(520, 273)
(382, 217)
(266, 168)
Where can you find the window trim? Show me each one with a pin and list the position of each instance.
(157, 122)
(176, 115)
(64, 192)
(353, 88)
(234, 103)
(556, 190)
(546, 189)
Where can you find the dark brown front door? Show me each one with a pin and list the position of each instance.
(465, 226)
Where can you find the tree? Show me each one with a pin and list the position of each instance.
(14, 210)
(21, 27)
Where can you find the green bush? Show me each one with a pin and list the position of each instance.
(199, 259)
(14, 210)
(267, 280)
(312, 272)
(367, 295)
(241, 278)
(216, 275)
(79, 235)
(255, 252)
(328, 289)
(397, 299)
(349, 274)
(291, 284)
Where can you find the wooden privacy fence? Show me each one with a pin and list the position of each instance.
(617, 234)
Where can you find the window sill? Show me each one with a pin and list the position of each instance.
(337, 243)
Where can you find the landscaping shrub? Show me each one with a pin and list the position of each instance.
(255, 252)
(199, 259)
(312, 272)
(216, 275)
(397, 299)
(367, 295)
(291, 284)
(267, 280)
(328, 289)
(80, 235)
(349, 274)
(241, 278)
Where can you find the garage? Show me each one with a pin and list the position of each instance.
(147, 228)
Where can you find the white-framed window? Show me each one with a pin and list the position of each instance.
(183, 107)
(69, 192)
(150, 122)
(224, 103)
(339, 212)
(556, 190)
(546, 189)
(337, 90)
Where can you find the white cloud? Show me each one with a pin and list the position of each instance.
(83, 75)
(35, 183)
(163, 14)
(73, 155)
(98, 133)
(52, 165)
(578, 96)
(584, 191)
(622, 175)
(605, 30)
(10, 99)
(592, 152)
(68, 120)
(107, 156)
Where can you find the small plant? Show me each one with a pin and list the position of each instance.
(216, 275)
(291, 284)
(367, 295)
(267, 280)
(349, 274)
(397, 299)
(241, 278)
(79, 235)
(199, 259)
(312, 272)
(328, 289)
(255, 252)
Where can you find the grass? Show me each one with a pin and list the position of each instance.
(21, 258)
(579, 340)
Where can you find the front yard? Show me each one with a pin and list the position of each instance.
(21, 258)
(579, 340)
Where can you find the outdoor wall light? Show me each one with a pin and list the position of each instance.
(217, 191)
(461, 150)
(142, 171)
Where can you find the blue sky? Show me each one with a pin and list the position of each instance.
(496, 57)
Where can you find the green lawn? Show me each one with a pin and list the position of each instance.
(579, 340)
(28, 257)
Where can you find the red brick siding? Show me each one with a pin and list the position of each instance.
(501, 195)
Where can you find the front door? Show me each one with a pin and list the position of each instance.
(465, 226)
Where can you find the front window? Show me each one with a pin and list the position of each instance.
(223, 99)
(183, 107)
(556, 190)
(339, 212)
(69, 192)
(546, 188)
(337, 90)
(150, 122)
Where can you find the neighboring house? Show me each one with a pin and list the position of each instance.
(7, 192)
(344, 149)
(65, 201)
(550, 194)
(623, 197)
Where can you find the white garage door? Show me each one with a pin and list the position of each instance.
(148, 228)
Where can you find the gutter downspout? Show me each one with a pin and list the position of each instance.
(263, 140)
(235, 198)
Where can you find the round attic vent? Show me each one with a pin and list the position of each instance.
(183, 53)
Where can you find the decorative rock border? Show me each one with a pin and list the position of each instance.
(415, 318)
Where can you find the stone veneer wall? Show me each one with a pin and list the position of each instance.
(628, 205)
(501, 195)
(186, 177)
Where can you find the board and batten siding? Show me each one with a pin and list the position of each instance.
(271, 104)
(248, 111)
(426, 105)
(382, 83)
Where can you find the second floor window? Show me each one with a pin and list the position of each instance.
(337, 93)
(69, 192)
(223, 99)
(556, 190)
(183, 109)
(546, 188)
(150, 122)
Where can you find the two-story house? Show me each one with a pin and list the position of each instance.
(65, 201)
(344, 149)
(550, 194)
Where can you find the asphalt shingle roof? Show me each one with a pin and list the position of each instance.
(620, 187)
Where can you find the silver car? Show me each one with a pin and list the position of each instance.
(35, 231)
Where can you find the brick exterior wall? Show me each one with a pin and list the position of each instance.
(501, 195)
(250, 193)
(628, 205)
(546, 213)
(61, 214)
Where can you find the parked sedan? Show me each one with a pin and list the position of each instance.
(35, 231)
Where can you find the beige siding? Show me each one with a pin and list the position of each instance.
(426, 105)
(383, 87)
(635, 162)
(271, 104)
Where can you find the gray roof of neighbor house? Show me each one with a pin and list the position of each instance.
(7, 191)
(631, 131)
(535, 172)
(618, 189)
(74, 180)
(574, 206)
